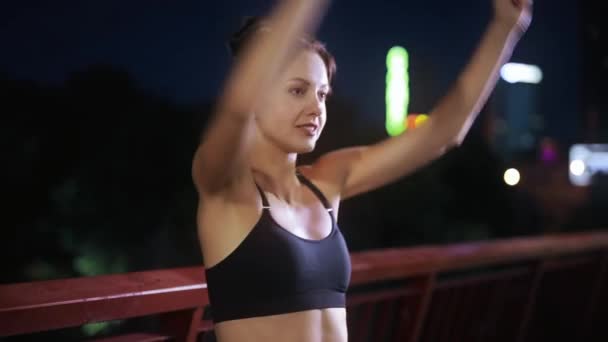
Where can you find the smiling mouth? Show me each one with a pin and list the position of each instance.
(309, 129)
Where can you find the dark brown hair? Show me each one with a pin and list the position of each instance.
(253, 25)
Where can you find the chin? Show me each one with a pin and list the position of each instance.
(304, 147)
(307, 150)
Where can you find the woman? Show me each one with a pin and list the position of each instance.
(277, 266)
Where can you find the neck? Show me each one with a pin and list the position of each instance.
(274, 170)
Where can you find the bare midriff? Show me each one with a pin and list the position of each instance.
(324, 325)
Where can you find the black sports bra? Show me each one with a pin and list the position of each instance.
(274, 271)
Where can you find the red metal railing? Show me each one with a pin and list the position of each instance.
(523, 289)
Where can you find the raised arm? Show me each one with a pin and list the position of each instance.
(221, 156)
(360, 169)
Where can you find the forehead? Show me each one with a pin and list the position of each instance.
(307, 65)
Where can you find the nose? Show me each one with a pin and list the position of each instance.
(316, 105)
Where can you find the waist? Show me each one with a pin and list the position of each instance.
(227, 309)
(318, 325)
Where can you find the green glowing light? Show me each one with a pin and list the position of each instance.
(92, 329)
(397, 90)
(97, 328)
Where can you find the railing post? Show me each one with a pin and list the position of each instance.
(182, 325)
(538, 272)
(596, 289)
(411, 332)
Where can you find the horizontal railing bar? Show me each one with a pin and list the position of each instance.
(53, 304)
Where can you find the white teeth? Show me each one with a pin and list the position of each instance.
(309, 128)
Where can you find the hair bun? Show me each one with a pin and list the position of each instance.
(238, 39)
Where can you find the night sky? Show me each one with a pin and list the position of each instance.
(99, 179)
(178, 49)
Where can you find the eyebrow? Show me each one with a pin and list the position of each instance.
(329, 89)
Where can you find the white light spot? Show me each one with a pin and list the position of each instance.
(511, 177)
(524, 73)
(577, 167)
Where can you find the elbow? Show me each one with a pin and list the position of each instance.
(453, 141)
(455, 132)
(457, 139)
(206, 182)
(450, 135)
(198, 174)
(449, 144)
(212, 176)
(203, 176)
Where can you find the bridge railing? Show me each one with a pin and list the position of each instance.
(522, 289)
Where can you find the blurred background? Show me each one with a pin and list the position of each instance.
(103, 104)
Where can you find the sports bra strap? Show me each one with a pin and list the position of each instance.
(307, 182)
(315, 190)
(265, 204)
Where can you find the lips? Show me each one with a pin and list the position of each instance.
(309, 128)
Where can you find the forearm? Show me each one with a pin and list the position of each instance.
(221, 157)
(457, 110)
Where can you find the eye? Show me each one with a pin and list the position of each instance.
(297, 91)
(323, 95)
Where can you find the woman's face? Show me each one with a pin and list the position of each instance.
(292, 117)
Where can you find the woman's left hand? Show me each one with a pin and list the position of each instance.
(516, 14)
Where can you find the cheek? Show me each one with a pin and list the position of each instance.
(269, 110)
(323, 119)
(273, 119)
(284, 109)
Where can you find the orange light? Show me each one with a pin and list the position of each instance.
(415, 120)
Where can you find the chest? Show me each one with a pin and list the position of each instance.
(313, 222)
